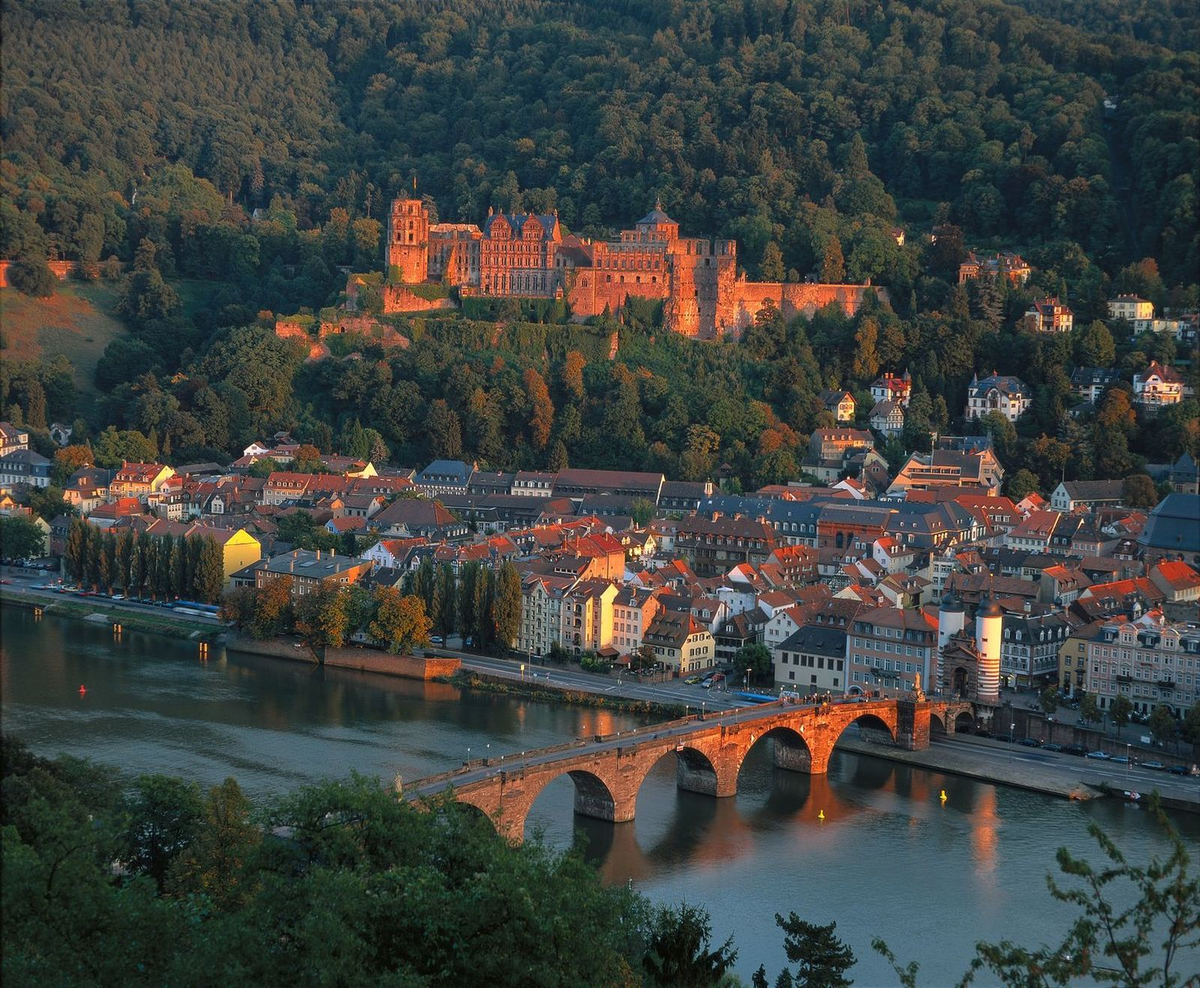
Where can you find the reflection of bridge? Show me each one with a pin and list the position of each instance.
(609, 770)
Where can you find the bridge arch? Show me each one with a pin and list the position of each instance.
(789, 749)
(964, 723)
(936, 724)
(593, 797)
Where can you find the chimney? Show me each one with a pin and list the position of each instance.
(1028, 605)
(318, 553)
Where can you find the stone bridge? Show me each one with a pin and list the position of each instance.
(608, 771)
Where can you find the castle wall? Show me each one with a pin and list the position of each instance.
(397, 298)
(747, 298)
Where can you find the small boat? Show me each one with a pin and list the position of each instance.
(1131, 796)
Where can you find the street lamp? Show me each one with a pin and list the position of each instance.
(747, 677)
(1128, 757)
(468, 754)
(1012, 729)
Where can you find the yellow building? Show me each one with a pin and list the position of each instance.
(239, 549)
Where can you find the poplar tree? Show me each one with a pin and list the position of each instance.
(447, 600)
(75, 552)
(467, 615)
(179, 551)
(506, 605)
(125, 550)
(208, 580)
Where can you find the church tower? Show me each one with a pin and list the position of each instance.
(408, 241)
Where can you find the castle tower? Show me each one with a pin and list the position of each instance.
(952, 617)
(408, 241)
(989, 620)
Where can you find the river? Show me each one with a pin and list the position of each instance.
(888, 859)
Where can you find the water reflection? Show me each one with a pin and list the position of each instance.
(889, 858)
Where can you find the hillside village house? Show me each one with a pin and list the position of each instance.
(12, 439)
(888, 387)
(887, 418)
(1003, 264)
(840, 404)
(1049, 315)
(1090, 383)
(1001, 393)
(1130, 307)
(978, 469)
(1157, 385)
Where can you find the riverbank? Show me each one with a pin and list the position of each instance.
(1065, 778)
(545, 691)
(167, 623)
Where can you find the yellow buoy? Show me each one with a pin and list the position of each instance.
(943, 795)
(821, 815)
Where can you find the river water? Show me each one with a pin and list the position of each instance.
(888, 859)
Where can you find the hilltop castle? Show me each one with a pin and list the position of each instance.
(529, 256)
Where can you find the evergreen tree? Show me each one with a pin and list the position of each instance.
(208, 578)
(125, 550)
(468, 576)
(443, 601)
(75, 551)
(506, 605)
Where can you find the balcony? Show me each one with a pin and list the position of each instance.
(1166, 684)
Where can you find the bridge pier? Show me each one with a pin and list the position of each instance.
(798, 758)
(912, 724)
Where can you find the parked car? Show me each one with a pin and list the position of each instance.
(436, 640)
(1155, 766)
(1030, 743)
(1120, 759)
(1178, 770)
(1101, 755)
(1075, 749)
(1051, 746)
(692, 680)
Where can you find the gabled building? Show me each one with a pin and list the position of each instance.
(682, 644)
(1049, 315)
(1002, 264)
(138, 479)
(1090, 383)
(1156, 386)
(889, 387)
(12, 439)
(1073, 494)
(839, 403)
(445, 477)
(887, 418)
(1001, 393)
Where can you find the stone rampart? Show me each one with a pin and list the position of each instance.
(358, 659)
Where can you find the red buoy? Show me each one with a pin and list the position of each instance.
(82, 690)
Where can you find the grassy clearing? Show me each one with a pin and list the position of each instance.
(78, 321)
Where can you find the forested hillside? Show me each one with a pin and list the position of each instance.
(252, 148)
(760, 119)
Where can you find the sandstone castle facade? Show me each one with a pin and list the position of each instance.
(530, 256)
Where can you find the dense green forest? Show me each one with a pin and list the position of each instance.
(255, 147)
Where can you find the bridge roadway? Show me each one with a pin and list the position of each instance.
(609, 770)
